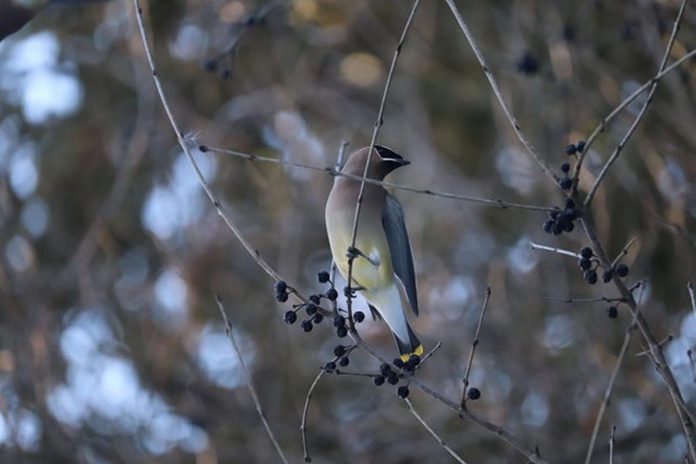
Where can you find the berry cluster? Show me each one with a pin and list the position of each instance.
(589, 264)
(562, 221)
(565, 183)
(393, 376)
(312, 309)
(341, 356)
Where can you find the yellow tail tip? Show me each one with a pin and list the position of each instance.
(418, 351)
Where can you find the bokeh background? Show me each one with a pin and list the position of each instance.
(111, 345)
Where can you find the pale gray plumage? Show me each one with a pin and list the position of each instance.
(386, 273)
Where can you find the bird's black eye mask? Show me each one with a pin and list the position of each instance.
(386, 153)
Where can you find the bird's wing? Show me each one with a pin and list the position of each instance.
(400, 247)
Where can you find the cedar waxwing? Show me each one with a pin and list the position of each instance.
(384, 273)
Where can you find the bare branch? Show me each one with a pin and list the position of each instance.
(249, 382)
(692, 296)
(656, 353)
(560, 251)
(612, 441)
(375, 133)
(433, 433)
(429, 354)
(303, 426)
(607, 392)
(641, 114)
(498, 94)
(503, 204)
(616, 111)
(187, 151)
(474, 344)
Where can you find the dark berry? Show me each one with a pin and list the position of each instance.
(528, 64)
(343, 362)
(282, 297)
(323, 277)
(473, 393)
(568, 225)
(565, 183)
(557, 228)
(359, 316)
(281, 287)
(340, 350)
(554, 214)
(548, 225)
(622, 270)
(379, 380)
(332, 294)
(586, 253)
(330, 366)
(385, 369)
(316, 299)
(571, 150)
(572, 214)
(311, 309)
(565, 167)
(585, 264)
(414, 359)
(607, 276)
(211, 65)
(581, 146)
(307, 326)
(612, 312)
(318, 318)
(402, 391)
(341, 332)
(590, 276)
(398, 363)
(569, 204)
(393, 378)
(203, 148)
(339, 321)
(290, 317)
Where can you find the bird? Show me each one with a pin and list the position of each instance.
(383, 270)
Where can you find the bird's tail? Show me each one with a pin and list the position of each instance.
(409, 347)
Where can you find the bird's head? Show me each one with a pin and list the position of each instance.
(382, 162)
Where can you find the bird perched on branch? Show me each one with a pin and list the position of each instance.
(383, 269)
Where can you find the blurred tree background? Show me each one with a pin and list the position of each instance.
(111, 345)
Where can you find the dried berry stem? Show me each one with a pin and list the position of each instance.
(474, 344)
(425, 425)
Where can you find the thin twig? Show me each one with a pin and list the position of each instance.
(375, 133)
(600, 299)
(667, 339)
(692, 296)
(429, 354)
(503, 204)
(474, 344)
(248, 380)
(498, 94)
(641, 114)
(187, 151)
(607, 392)
(616, 111)
(623, 252)
(303, 426)
(425, 425)
(612, 441)
(560, 251)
